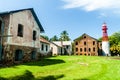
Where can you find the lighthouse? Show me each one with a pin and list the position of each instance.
(105, 41)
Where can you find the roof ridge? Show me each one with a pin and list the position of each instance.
(33, 13)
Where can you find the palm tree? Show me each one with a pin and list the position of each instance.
(54, 38)
(64, 36)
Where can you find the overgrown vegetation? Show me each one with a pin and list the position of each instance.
(64, 36)
(65, 68)
(115, 43)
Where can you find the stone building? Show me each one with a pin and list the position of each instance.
(87, 45)
(19, 36)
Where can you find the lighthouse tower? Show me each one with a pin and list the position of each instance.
(105, 41)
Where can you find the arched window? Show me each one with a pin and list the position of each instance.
(89, 49)
(76, 43)
(18, 55)
(80, 49)
(76, 49)
(85, 43)
(93, 42)
(94, 49)
(84, 49)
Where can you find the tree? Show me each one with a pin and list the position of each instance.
(54, 38)
(64, 36)
(100, 39)
(114, 40)
(45, 37)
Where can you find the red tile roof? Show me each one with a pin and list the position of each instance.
(44, 40)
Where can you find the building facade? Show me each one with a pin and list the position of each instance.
(44, 47)
(55, 49)
(87, 45)
(20, 33)
(61, 47)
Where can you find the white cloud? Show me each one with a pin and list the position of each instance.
(102, 15)
(92, 5)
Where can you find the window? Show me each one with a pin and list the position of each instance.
(20, 30)
(33, 54)
(18, 55)
(93, 42)
(46, 48)
(89, 49)
(42, 47)
(84, 43)
(94, 49)
(76, 49)
(67, 47)
(80, 49)
(85, 49)
(34, 35)
(76, 43)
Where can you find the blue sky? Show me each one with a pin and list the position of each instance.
(74, 16)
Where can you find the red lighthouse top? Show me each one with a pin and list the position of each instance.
(104, 29)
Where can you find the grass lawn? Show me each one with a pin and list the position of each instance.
(65, 68)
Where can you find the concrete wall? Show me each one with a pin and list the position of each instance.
(44, 51)
(55, 49)
(29, 24)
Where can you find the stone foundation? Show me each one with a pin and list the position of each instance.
(9, 54)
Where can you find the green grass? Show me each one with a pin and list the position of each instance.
(65, 68)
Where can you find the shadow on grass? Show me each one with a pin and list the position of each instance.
(44, 62)
(51, 77)
(28, 76)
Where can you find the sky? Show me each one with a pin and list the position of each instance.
(75, 16)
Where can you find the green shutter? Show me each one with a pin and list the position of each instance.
(20, 55)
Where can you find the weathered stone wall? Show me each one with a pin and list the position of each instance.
(26, 19)
(25, 43)
(5, 19)
(9, 54)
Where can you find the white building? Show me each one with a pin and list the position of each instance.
(45, 46)
(61, 47)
